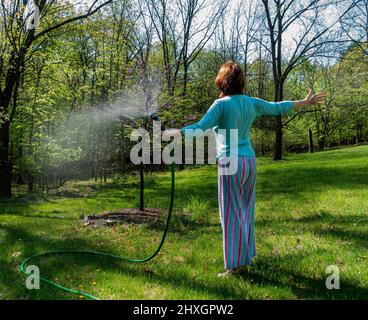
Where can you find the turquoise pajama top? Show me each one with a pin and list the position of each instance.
(237, 112)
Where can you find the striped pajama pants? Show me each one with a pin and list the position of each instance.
(236, 203)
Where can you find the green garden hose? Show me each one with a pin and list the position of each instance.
(86, 252)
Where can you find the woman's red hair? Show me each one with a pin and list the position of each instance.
(230, 80)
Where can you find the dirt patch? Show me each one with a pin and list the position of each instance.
(134, 216)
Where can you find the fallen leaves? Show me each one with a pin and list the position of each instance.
(16, 254)
(179, 259)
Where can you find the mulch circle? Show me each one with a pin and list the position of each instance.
(132, 215)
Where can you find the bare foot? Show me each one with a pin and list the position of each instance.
(226, 274)
(240, 271)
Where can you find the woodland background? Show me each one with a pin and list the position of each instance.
(57, 80)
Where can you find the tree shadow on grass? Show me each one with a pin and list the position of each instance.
(10, 275)
(294, 182)
(269, 272)
(57, 266)
(297, 182)
(326, 224)
(265, 273)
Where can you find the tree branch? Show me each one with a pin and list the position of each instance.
(90, 12)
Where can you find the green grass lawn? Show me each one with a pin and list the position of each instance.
(311, 212)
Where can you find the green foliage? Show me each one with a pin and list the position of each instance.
(88, 64)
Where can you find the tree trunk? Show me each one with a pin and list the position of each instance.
(141, 174)
(30, 184)
(20, 179)
(185, 80)
(5, 166)
(5, 163)
(325, 134)
(185, 92)
(279, 139)
(322, 143)
(311, 143)
(279, 95)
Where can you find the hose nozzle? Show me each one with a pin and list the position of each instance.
(154, 117)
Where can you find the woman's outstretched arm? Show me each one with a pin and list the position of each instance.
(265, 108)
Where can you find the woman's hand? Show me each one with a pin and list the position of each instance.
(171, 133)
(314, 99)
(311, 100)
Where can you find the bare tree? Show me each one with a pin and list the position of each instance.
(164, 15)
(236, 40)
(18, 41)
(355, 24)
(184, 28)
(314, 37)
(198, 22)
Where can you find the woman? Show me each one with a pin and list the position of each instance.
(235, 110)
